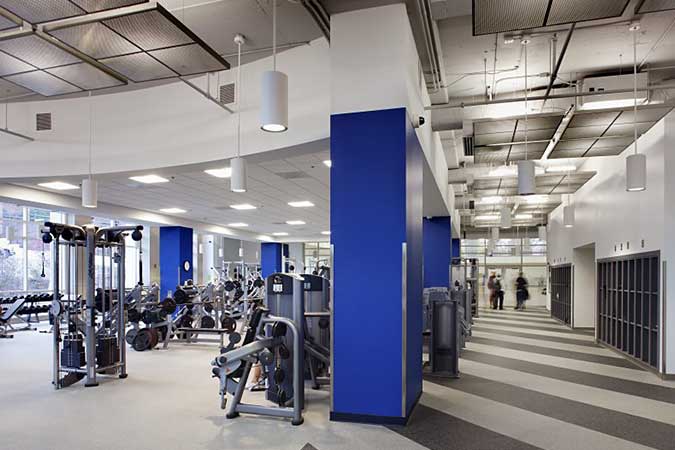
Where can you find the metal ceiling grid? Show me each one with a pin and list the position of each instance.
(143, 44)
(40, 11)
(6, 24)
(649, 6)
(498, 16)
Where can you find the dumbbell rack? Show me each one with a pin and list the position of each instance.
(86, 347)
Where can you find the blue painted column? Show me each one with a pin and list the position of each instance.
(175, 255)
(437, 252)
(456, 245)
(376, 231)
(270, 258)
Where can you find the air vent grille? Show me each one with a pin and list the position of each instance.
(227, 94)
(468, 145)
(43, 121)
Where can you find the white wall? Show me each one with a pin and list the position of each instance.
(584, 294)
(168, 125)
(620, 222)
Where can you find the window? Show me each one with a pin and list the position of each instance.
(316, 254)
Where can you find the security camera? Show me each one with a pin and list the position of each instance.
(418, 121)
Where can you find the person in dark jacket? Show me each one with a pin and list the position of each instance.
(499, 293)
(522, 294)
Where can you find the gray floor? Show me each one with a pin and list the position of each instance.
(527, 383)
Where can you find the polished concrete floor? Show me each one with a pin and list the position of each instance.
(526, 382)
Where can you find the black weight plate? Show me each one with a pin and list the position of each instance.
(208, 322)
(235, 338)
(229, 286)
(208, 308)
(154, 337)
(324, 323)
(134, 316)
(284, 352)
(169, 306)
(143, 340)
(131, 335)
(228, 324)
(279, 329)
(259, 282)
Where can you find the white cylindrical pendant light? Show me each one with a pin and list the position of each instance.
(506, 217)
(568, 216)
(274, 110)
(542, 232)
(89, 193)
(636, 172)
(238, 178)
(220, 253)
(526, 180)
(495, 233)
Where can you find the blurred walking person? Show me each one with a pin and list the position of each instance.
(491, 290)
(522, 294)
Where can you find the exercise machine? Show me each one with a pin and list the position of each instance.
(88, 335)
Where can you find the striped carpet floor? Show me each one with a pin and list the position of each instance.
(528, 382)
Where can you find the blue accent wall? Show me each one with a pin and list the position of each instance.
(175, 247)
(456, 245)
(270, 258)
(376, 206)
(437, 252)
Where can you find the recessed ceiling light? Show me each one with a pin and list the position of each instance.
(295, 222)
(326, 233)
(149, 179)
(524, 216)
(301, 204)
(536, 199)
(280, 233)
(243, 206)
(225, 172)
(487, 217)
(237, 225)
(173, 210)
(328, 163)
(264, 237)
(59, 186)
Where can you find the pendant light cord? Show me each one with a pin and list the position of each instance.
(526, 102)
(274, 34)
(91, 119)
(635, 83)
(238, 99)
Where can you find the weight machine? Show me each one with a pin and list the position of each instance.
(88, 337)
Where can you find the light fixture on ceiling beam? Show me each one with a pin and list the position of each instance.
(326, 233)
(274, 110)
(238, 164)
(89, 185)
(243, 206)
(295, 222)
(173, 210)
(301, 204)
(636, 164)
(487, 217)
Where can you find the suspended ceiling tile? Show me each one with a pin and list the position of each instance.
(37, 11)
(508, 191)
(643, 115)
(520, 156)
(491, 183)
(656, 5)
(549, 180)
(6, 24)
(535, 135)
(576, 144)
(532, 147)
(583, 132)
(85, 76)
(542, 190)
(42, 83)
(539, 123)
(9, 90)
(491, 156)
(139, 67)
(491, 139)
(36, 51)
(150, 30)
(593, 119)
(10, 65)
(495, 16)
(488, 192)
(605, 151)
(561, 154)
(494, 126)
(568, 11)
(627, 129)
(613, 142)
(509, 183)
(102, 5)
(95, 40)
(188, 59)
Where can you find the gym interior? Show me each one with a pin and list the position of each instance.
(332, 224)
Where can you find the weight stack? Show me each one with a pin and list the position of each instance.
(107, 351)
(72, 353)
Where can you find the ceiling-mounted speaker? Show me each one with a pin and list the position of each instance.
(636, 172)
(89, 193)
(526, 178)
